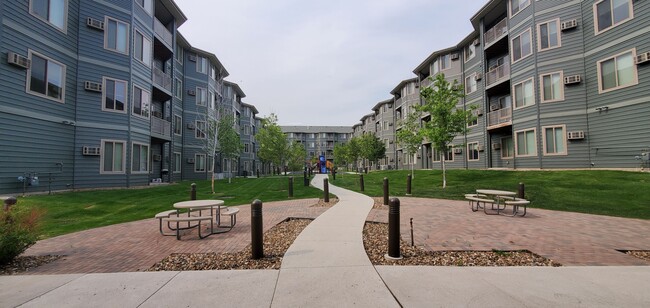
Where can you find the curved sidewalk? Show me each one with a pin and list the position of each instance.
(327, 264)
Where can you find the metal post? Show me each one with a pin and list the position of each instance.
(408, 184)
(305, 180)
(385, 191)
(193, 191)
(520, 192)
(361, 186)
(257, 227)
(326, 190)
(393, 230)
(258, 173)
(334, 174)
(290, 187)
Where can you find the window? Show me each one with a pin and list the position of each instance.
(521, 46)
(472, 151)
(445, 62)
(449, 155)
(146, 5)
(554, 140)
(113, 157)
(116, 35)
(312, 145)
(199, 162)
(201, 65)
(46, 77)
(179, 53)
(140, 158)
(213, 72)
(247, 166)
(524, 94)
(552, 89)
(470, 84)
(507, 147)
(177, 162)
(211, 100)
(200, 130)
(312, 136)
(141, 102)
(385, 125)
(526, 143)
(611, 13)
(201, 96)
(470, 52)
(548, 35)
(247, 130)
(179, 89)
(517, 5)
(142, 48)
(434, 67)
(178, 125)
(474, 117)
(617, 72)
(53, 12)
(246, 147)
(114, 96)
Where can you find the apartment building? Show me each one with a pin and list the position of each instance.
(318, 140)
(556, 84)
(101, 94)
(384, 122)
(248, 163)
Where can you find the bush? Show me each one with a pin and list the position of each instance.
(18, 231)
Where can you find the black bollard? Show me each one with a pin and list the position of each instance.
(520, 192)
(257, 228)
(258, 173)
(305, 180)
(361, 186)
(385, 191)
(290, 187)
(393, 230)
(408, 184)
(326, 190)
(193, 191)
(334, 174)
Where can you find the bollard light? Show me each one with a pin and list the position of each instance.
(257, 228)
(393, 230)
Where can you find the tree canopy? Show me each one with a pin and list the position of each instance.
(273, 143)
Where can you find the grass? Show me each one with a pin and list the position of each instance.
(76, 211)
(602, 192)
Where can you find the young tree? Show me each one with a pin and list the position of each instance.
(273, 143)
(371, 148)
(447, 121)
(409, 137)
(341, 154)
(296, 157)
(229, 140)
(353, 151)
(210, 131)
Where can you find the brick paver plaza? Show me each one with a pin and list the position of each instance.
(568, 238)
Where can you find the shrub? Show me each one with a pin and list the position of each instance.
(18, 231)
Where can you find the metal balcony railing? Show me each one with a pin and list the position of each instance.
(496, 32)
(161, 127)
(499, 118)
(162, 32)
(497, 74)
(161, 79)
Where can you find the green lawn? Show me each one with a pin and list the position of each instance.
(613, 193)
(75, 211)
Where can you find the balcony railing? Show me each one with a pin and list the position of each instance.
(499, 118)
(496, 32)
(161, 128)
(162, 32)
(498, 74)
(161, 79)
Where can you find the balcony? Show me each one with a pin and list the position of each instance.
(162, 80)
(162, 33)
(497, 75)
(495, 33)
(499, 118)
(161, 129)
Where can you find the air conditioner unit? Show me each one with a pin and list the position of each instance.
(455, 56)
(481, 148)
(91, 151)
(570, 24)
(643, 58)
(458, 150)
(478, 111)
(18, 60)
(496, 146)
(390, 141)
(576, 135)
(476, 42)
(390, 124)
(192, 57)
(156, 157)
(157, 114)
(494, 107)
(191, 92)
(190, 126)
(95, 23)
(572, 79)
(478, 76)
(190, 160)
(92, 86)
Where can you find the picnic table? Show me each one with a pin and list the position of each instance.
(498, 200)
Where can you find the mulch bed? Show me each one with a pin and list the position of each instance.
(24, 263)
(322, 203)
(641, 254)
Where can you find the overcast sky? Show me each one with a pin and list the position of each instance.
(323, 62)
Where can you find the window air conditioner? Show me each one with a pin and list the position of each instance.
(190, 126)
(192, 57)
(18, 60)
(95, 23)
(569, 24)
(478, 76)
(494, 107)
(481, 148)
(478, 111)
(157, 157)
(191, 92)
(190, 160)
(476, 42)
(90, 151)
(496, 146)
(576, 135)
(572, 79)
(458, 150)
(455, 56)
(93, 86)
(643, 58)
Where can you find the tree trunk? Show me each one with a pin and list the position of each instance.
(213, 167)
(444, 174)
(229, 170)
(413, 167)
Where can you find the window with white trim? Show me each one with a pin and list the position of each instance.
(611, 13)
(114, 96)
(141, 102)
(46, 77)
(445, 62)
(147, 5)
(142, 48)
(200, 129)
(177, 162)
(178, 52)
(552, 87)
(554, 140)
(474, 118)
(140, 158)
(201, 96)
(199, 162)
(179, 89)
(524, 93)
(469, 52)
(472, 151)
(201, 65)
(113, 157)
(521, 46)
(470, 84)
(526, 143)
(246, 147)
(247, 130)
(517, 5)
(213, 72)
(211, 100)
(617, 72)
(434, 68)
(449, 155)
(178, 125)
(507, 147)
(116, 35)
(548, 35)
(54, 12)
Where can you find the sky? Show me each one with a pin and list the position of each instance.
(323, 62)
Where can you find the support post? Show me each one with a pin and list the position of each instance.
(361, 186)
(193, 191)
(393, 230)
(326, 190)
(290, 187)
(385, 191)
(409, 178)
(257, 227)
